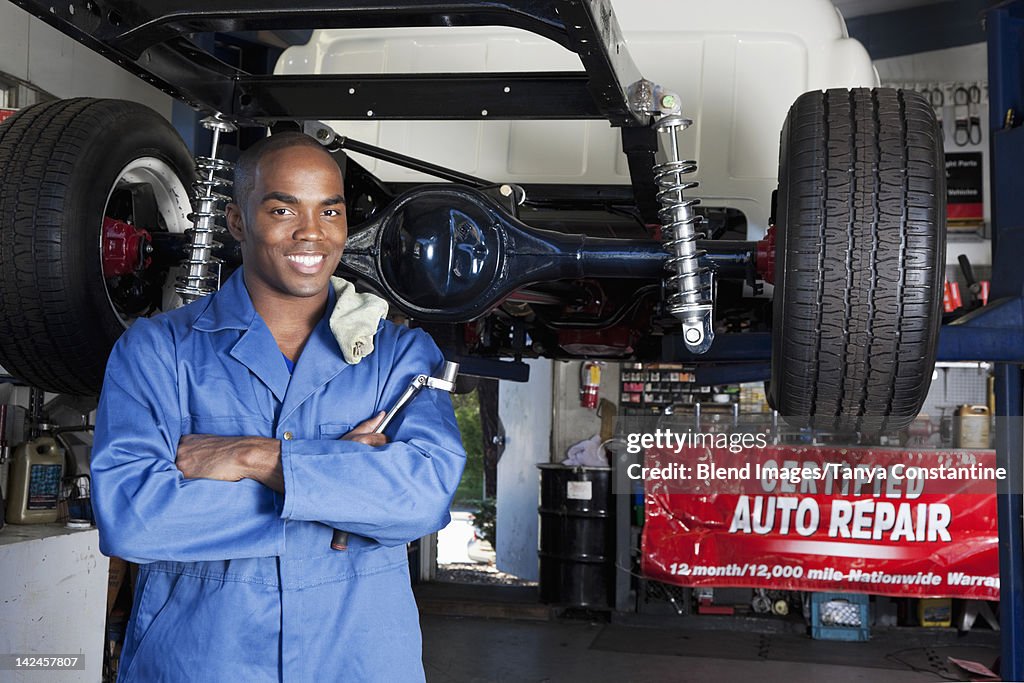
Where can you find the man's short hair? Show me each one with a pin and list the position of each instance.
(249, 160)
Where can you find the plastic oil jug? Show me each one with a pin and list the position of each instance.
(973, 426)
(35, 482)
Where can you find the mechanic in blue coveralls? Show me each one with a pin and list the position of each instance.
(235, 434)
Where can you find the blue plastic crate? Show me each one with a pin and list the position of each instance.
(840, 616)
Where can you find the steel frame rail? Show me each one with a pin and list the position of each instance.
(158, 41)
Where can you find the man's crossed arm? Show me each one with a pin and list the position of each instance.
(233, 458)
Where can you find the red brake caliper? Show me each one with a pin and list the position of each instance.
(766, 256)
(124, 248)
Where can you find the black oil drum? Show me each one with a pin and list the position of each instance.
(577, 536)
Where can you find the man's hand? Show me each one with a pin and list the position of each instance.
(231, 458)
(363, 433)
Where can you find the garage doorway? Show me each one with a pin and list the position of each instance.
(466, 547)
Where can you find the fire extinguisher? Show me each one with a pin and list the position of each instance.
(590, 383)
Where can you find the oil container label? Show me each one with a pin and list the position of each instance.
(579, 490)
(43, 487)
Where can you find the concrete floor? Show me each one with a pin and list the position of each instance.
(534, 647)
(476, 650)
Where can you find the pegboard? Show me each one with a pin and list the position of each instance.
(954, 387)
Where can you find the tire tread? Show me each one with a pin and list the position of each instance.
(57, 330)
(864, 253)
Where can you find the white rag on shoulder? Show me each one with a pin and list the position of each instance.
(355, 319)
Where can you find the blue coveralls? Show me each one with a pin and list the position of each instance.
(237, 582)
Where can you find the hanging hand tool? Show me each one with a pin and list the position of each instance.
(972, 282)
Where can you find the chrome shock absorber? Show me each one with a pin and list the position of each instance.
(689, 287)
(202, 268)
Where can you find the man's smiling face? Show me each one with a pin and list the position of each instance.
(293, 226)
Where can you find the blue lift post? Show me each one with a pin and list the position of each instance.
(1005, 28)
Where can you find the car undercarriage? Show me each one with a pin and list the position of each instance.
(498, 270)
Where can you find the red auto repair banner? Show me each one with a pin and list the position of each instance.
(868, 520)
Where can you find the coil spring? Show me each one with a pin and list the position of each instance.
(690, 294)
(202, 268)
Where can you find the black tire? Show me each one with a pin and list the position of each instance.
(860, 255)
(465, 384)
(59, 162)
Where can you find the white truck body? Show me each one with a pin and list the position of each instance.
(737, 65)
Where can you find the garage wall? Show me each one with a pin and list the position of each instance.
(572, 423)
(35, 52)
(525, 410)
(964, 64)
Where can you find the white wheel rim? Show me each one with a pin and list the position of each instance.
(173, 205)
